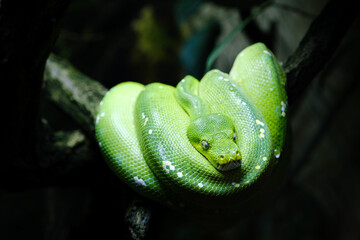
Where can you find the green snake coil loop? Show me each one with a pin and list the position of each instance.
(143, 133)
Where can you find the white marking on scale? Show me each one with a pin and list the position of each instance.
(267, 52)
(139, 181)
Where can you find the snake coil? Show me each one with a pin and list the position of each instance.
(143, 133)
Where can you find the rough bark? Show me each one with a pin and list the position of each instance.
(76, 94)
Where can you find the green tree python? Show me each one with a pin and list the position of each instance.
(209, 144)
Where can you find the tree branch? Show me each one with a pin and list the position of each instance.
(318, 46)
(76, 94)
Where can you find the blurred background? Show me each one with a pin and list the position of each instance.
(162, 41)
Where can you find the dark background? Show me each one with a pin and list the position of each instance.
(146, 41)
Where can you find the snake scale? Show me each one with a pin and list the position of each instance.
(211, 143)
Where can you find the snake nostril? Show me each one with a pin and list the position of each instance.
(238, 155)
(221, 156)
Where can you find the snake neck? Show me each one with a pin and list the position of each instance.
(187, 95)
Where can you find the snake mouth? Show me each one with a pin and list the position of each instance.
(229, 165)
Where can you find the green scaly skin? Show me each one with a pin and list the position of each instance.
(152, 136)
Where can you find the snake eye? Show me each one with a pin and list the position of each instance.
(234, 136)
(205, 144)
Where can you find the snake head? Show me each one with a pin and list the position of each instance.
(214, 136)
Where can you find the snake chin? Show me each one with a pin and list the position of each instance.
(229, 165)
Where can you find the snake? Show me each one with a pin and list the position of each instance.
(212, 143)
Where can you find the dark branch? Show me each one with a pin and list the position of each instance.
(318, 46)
(76, 94)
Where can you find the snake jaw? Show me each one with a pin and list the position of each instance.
(227, 162)
(230, 165)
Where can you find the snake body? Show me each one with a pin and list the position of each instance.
(210, 143)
